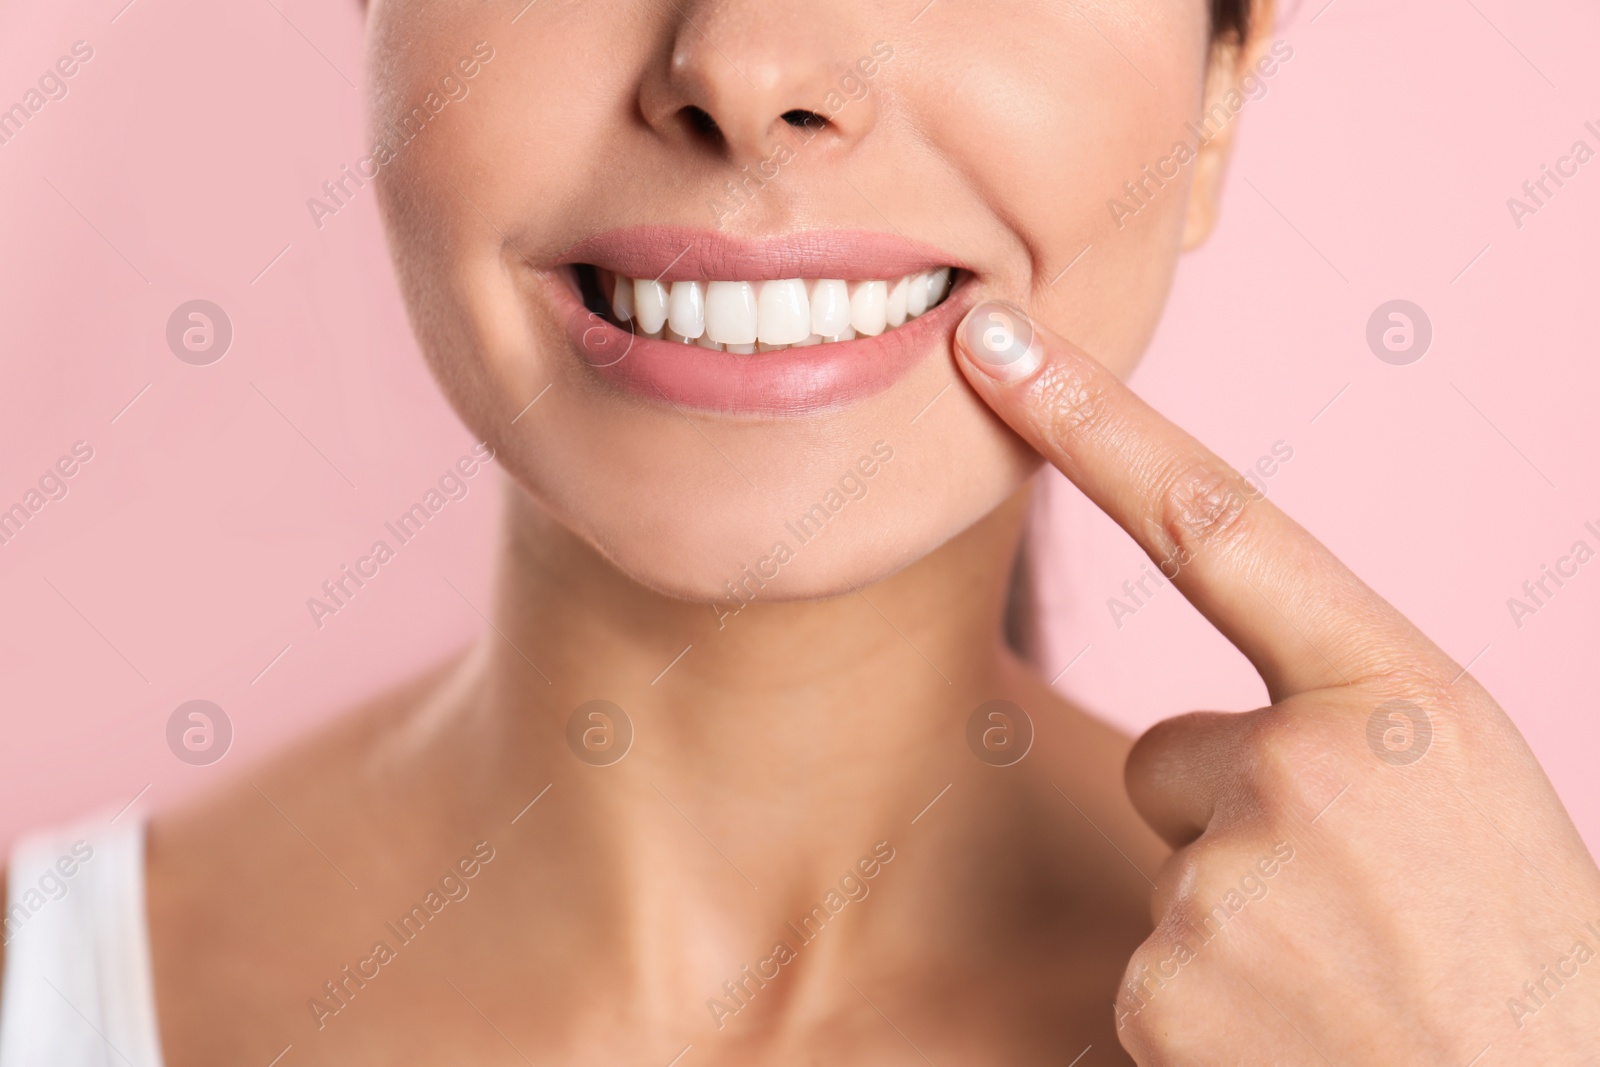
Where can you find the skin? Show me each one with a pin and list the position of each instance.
(1421, 891)
(830, 715)
(571, 128)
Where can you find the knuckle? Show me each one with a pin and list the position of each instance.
(1185, 878)
(1214, 924)
(1296, 760)
(1415, 682)
(1177, 883)
(1281, 744)
(1166, 999)
(1216, 893)
(1408, 712)
(1146, 1004)
(1201, 504)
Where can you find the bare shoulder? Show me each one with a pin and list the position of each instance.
(290, 838)
(236, 824)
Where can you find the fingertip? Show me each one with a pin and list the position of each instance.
(999, 339)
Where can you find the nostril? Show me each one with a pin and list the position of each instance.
(803, 119)
(701, 121)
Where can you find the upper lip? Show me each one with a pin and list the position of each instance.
(670, 253)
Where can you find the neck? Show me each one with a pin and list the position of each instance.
(778, 688)
(771, 750)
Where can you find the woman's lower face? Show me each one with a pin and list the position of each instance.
(693, 268)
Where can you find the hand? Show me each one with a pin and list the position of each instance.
(1372, 870)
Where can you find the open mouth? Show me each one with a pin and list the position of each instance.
(783, 326)
(746, 317)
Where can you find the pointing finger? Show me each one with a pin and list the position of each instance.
(1303, 619)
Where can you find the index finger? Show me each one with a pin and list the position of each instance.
(1303, 619)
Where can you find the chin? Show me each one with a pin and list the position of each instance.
(761, 402)
(766, 508)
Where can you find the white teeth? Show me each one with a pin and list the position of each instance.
(686, 309)
(622, 298)
(650, 304)
(783, 312)
(895, 309)
(764, 316)
(731, 313)
(830, 307)
(869, 308)
(917, 295)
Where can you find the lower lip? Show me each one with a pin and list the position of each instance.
(789, 382)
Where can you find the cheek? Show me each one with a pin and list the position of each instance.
(1051, 144)
(509, 155)
(540, 122)
(686, 507)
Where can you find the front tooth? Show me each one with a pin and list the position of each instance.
(731, 314)
(917, 295)
(783, 312)
(686, 309)
(830, 307)
(650, 304)
(868, 307)
(814, 339)
(846, 334)
(742, 350)
(622, 299)
(896, 306)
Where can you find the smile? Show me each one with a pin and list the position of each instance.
(767, 316)
(786, 326)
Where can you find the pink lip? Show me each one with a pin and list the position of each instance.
(787, 383)
(672, 253)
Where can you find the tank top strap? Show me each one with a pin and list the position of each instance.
(77, 987)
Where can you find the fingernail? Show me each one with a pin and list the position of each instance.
(999, 339)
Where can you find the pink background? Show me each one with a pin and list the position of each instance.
(178, 566)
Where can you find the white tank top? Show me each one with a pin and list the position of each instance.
(77, 987)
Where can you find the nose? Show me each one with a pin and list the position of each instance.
(746, 76)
